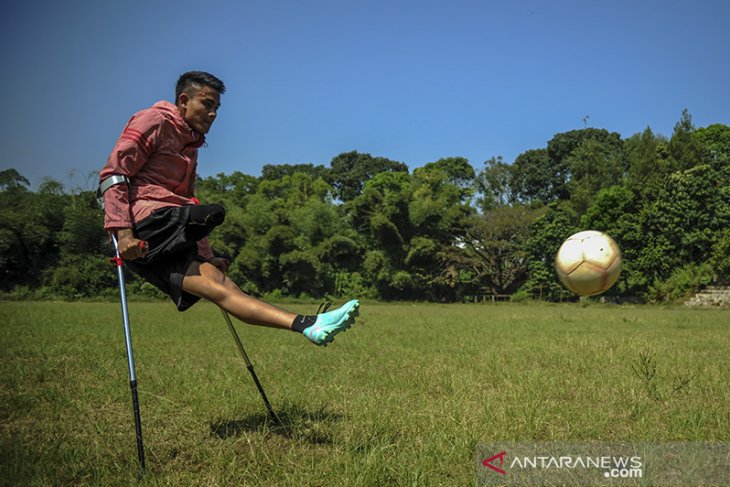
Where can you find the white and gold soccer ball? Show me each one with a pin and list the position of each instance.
(588, 263)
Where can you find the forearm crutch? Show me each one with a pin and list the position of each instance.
(249, 366)
(130, 355)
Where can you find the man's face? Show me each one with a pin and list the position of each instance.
(200, 109)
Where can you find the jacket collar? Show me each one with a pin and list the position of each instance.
(196, 139)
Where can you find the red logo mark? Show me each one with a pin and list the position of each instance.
(488, 462)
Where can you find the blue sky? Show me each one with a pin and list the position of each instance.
(413, 81)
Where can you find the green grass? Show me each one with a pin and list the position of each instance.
(401, 399)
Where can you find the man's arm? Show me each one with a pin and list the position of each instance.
(130, 154)
(130, 247)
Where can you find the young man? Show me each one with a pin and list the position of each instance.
(150, 205)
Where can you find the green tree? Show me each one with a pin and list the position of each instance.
(409, 224)
(547, 234)
(380, 215)
(646, 169)
(593, 165)
(350, 171)
(493, 184)
(278, 171)
(457, 169)
(83, 268)
(288, 237)
(617, 212)
(714, 141)
(535, 178)
(28, 237)
(720, 259)
(229, 190)
(493, 247)
(690, 211)
(562, 145)
(685, 150)
(11, 180)
(564, 168)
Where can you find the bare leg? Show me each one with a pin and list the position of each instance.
(206, 281)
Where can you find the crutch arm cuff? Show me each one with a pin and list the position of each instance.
(107, 183)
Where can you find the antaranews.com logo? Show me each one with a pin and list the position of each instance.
(612, 467)
(597, 464)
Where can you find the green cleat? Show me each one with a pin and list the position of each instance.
(329, 324)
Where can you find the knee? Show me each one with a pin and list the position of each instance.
(207, 282)
(214, 290)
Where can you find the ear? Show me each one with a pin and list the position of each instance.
(182, 101)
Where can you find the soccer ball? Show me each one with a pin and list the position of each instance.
(588, 263)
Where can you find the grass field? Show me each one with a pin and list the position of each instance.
(401, 399)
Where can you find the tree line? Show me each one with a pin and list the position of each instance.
(366, 226)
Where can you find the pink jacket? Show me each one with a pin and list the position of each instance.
(158, 152)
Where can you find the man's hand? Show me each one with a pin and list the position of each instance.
(130, 247)
(220, 263)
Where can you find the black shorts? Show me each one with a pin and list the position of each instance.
(172, 234)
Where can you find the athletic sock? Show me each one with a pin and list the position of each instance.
(302, 322)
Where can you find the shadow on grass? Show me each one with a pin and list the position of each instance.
(294, 422)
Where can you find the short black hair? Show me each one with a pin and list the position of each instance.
(195, 80)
